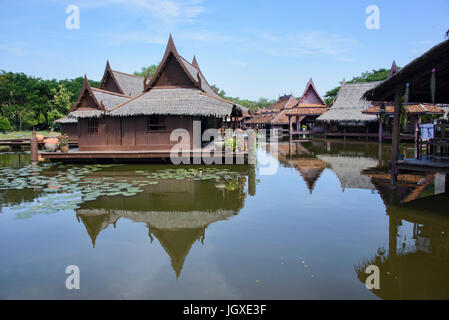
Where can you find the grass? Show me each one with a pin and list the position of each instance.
(25, 134)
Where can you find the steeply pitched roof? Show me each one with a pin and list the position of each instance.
(349, 104)
(311, 95)
(93, 102)
(120, 82)
(191, 71)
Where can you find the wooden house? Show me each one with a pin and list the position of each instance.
(275, 116)
(345, 117)
(309, 107)
(121, 119)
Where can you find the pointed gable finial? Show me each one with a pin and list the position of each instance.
(195, 63)
(171, 45)
(393, 70)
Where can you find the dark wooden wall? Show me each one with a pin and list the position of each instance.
(70, 129)
(130, 133)
(173, 76)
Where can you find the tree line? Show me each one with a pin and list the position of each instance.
(27, 101)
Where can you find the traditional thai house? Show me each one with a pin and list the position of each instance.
(275, 116)
(174, 98)
(345, 117)
(302, 116)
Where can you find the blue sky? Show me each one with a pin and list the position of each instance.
(249, 48)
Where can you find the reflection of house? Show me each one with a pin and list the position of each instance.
(417, 270)
(349, 170)
(176, 212)
(310, 170)
(409, 187)
(176, 231)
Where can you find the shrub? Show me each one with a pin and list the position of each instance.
(4, 124)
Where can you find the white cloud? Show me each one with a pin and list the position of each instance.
(167, 11)
(238, 63)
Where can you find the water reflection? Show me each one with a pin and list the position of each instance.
(417, 261)
(176, 213)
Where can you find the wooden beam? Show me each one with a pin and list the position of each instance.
(396, 135)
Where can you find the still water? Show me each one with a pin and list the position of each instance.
(164, 232)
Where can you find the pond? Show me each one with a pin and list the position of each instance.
(225, 232)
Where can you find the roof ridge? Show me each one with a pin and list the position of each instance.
(110, 92)
(127, 101)
(128, 74)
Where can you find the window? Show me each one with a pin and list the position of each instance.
(92, 126)
(154, 123)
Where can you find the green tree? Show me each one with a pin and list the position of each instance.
(144, 71)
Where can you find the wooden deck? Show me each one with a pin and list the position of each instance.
(139, 156)
(19, 143)
(423, 165)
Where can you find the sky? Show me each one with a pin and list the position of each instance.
(248, 48)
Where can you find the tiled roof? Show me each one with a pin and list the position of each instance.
(411, 109)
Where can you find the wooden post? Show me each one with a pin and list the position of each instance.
(396, 133)
(298, 125)
(290, 126)
(381, 129)
(33, 147)
(416, 128)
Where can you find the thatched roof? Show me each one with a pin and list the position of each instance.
(349, 104)
(174, 102)
(120, 82)
(416, 109)
(110, 100)
(67, 120)
(130, 84)
(349, 170)
(418, 74)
